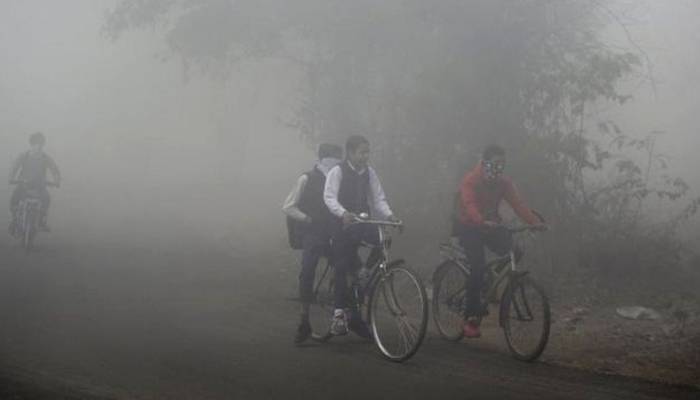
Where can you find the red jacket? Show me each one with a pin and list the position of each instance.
(479, 200)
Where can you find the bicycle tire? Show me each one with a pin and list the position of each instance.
(516, 301)
(447, 303)
(410, 329)
(29, 231)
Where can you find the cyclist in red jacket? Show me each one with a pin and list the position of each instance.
(481, 193)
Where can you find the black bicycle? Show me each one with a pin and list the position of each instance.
(393, 296)
(524, 312)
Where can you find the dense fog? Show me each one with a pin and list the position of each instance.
(135, 141)
(180, 127)
(137, 138)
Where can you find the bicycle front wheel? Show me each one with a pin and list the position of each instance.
(525, 318)
(30, 228)
(398, 313)
(449, 299)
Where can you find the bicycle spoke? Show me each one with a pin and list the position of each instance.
(449, 300)
(398, 303)
(526, 306)
(410, 332)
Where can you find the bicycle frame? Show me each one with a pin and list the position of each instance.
(380, 266)
(495, 266)
(377, 270)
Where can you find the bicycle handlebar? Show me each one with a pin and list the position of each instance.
(527, 228)
(22, 181)
(363, 219)
(377, 222)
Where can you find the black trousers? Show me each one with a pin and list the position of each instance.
(21, 192)
(315, 246)
(474, 240)
(344, 248)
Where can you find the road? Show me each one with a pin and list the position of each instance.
(191, 319)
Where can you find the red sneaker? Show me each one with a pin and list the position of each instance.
(471, 330)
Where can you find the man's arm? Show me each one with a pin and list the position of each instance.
(330, 192)
(291, 204)
(16, 167)
(521, 210)
(468, 197)
(378, 201)
(55, 172)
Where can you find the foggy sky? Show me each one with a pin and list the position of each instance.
(122, 122)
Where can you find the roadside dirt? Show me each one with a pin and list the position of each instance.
(589, 334)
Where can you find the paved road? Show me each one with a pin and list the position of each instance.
(190, 320)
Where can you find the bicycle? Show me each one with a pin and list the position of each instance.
(523, 304)
(396, 302)
(27, 216)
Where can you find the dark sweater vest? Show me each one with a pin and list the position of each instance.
(311, 203)
(353, 193)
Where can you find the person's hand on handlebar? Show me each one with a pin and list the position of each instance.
(394, 219)
(349, 218)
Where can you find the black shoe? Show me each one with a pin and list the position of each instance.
(303, 332)
(358, 327)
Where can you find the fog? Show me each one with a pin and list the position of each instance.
(180, 126)
(136, 137)
(669, 103)
(137, 143)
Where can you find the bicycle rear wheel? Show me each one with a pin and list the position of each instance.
(449, 291)
(321, 308)
(525, 318)
(398, 313)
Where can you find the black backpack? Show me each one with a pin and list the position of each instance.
(295, 231)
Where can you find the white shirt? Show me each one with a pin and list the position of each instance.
(291, 204)
(376, 199)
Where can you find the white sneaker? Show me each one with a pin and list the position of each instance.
(339, 324)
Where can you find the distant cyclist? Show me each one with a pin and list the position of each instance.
(29, 172)
(310, 224)
(481, 193)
